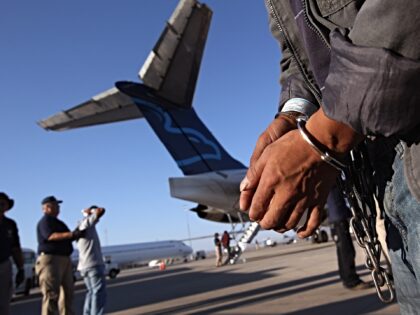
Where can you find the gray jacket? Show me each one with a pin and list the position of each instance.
(360, 60)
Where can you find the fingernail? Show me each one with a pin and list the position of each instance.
(244, 184)
(242, 205)
(301, 235)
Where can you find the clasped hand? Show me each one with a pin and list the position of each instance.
(286, 178)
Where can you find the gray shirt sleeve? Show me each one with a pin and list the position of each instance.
(374, 73)
(295, 79)
(89, 221)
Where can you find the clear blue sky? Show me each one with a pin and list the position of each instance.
(57, 54)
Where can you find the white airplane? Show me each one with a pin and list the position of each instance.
(164, 98)
(145, 252)
(118, 256)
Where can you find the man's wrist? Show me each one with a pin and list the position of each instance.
(326, 156)
(293, 115)
(299, 105)
(337, 137)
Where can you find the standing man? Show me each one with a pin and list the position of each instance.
(218, 249)
(54, 267)
(226, 244)
(338, 216)
(9, 246)
(91, 263)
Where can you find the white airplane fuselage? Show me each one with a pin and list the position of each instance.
(145, 252)
(139, 253)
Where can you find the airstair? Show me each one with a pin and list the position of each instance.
(249, 234)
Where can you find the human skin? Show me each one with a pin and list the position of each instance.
(53, 209)
(287, 177)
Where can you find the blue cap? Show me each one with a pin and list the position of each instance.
(50, 199)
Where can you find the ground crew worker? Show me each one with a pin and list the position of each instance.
(9, 246)
(54, 267)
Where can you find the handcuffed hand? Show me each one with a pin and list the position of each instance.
(287, 179)
(278, 127)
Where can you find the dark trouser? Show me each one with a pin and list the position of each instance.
(228, 251)
(6, 286)
(345, 253)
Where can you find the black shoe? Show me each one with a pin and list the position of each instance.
(361, 286)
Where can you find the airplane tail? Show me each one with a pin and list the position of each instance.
(170, 71)
(165, 96)
(191, 144)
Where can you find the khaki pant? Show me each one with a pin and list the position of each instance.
(219, 256)
(6, 287)
(55, 273)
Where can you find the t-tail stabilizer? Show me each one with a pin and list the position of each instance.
(170, 72)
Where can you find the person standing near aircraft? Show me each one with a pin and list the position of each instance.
(226, 244)
(218, 249)
(9, 246)
(338, 216)
(54, 267)
(91, 263)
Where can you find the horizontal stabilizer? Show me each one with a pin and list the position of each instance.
(109, 106)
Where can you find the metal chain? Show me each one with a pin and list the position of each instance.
(357, 186)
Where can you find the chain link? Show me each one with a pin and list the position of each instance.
(357, 186)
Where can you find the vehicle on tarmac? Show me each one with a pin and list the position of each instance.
(200, 254)
(29, 258)
(268, 242)
(322, 235)
(111, 270)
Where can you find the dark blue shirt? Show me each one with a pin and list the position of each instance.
(217, 241)
(9, 238)
(47, 226)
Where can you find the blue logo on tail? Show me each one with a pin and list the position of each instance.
(192, 134)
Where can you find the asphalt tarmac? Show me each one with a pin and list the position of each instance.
(293, 279)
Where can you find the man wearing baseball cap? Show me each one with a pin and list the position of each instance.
(9, 246)
(54, 266)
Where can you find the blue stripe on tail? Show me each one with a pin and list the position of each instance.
(187, 139)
